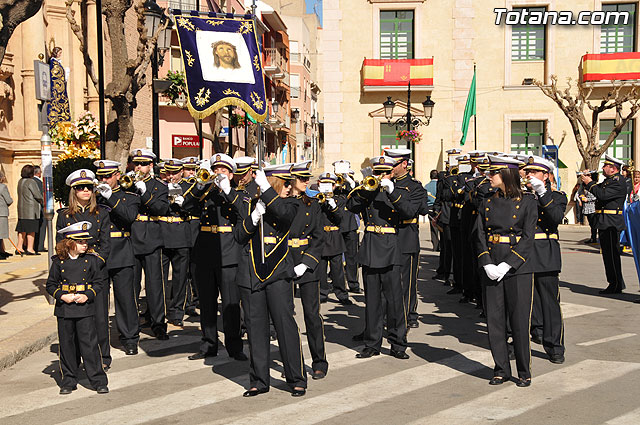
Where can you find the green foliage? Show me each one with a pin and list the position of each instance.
(62, 169)
(178, 85)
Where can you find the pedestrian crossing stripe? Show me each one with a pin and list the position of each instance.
(631, 418)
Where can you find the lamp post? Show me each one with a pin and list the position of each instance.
(407, 119)
(153, 15)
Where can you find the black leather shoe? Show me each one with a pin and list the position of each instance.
(536, 339)
(192, 313)
(497, 380)
(102, 389)
(298, 393)
(131, 350)
(240, 356)
(355, 290)
(177, 322)
(454, 291)
(318, 374)
(161, 335)
(399, 354)
(67, 390)
(323, 300)
(556, 358)
(254, 392)
(201, 355)
(610, 290)
(358, 337)
(106, 367)
(438, 277)
(464, 300)
(523, 382)
(367, 352)
(346, 301)
(637, 301)
(413, 324)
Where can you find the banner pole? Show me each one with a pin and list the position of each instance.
(260, 153)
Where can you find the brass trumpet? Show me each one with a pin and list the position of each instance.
(370, 183)
(203, 176)
(340, 180)
(587, 172)
(454, 171)
(129, 179)
(321, 197)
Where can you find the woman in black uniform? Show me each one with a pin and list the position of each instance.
(306, 241)
(505, 230)
(83, 206)
(266, 287)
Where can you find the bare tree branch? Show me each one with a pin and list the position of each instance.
(79, 33)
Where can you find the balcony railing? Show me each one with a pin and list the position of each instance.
(390, 74)
(295, 92)
(611, 66)
(274, 63)
(295, 57)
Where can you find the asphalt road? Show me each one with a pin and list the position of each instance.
(444, 381)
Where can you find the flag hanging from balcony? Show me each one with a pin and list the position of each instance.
(222, 65)
(397, 72)
(469, 109)
(611, 66)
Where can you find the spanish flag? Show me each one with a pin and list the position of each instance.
(397, 72)
(611, 66)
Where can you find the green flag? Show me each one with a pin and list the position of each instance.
(469, 109)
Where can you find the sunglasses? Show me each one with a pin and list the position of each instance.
(287, 183)
(303, 179)
(82, 187)
(140, 163)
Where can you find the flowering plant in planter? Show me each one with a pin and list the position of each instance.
(80, 138)
(413, 136)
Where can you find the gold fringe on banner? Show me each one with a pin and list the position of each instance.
(227, 101)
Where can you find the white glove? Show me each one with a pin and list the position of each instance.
(178, 199)
(172, 185)
(222, 181)
(104, 190)
(261, 181)
(502, 269)
(300, 269)
(537, 185)
(142, 187)
(332, 203)
(492, 271)
(387, 185)
(351, 182)
(258, 212)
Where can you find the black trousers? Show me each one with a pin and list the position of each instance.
(41, 235)
(77, 337)
(126, 303)
(591, 219)
(435, 237)
(409, 277)
(546, 319)
(471, 282)
(444, 267)
(176, 289)
(154, 287)
(192, 287)
(378, 281)
(456, 256)
(336, 270)
(275, 300)
(310, 297)
(351, 267)
(610, 247)
(509, 299)
(101, 321)
(212, 281)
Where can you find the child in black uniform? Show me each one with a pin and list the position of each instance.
(74, 280)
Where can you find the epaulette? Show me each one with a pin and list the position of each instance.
(61, 210)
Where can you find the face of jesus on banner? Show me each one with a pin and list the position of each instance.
(224, 57)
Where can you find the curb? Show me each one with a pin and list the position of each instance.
(29, 341)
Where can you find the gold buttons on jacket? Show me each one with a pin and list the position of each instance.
(514, 216)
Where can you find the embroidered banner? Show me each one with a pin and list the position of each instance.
(611, 66)
(397, 72)
(222, 65)
(58, 107)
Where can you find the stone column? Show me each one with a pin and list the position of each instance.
(93, 100)
(32, 46)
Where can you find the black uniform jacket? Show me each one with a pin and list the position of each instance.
(408, 227)
(306, 238)
(82, 276)
(380, 211)
(348, 222)
(610, 196)
(100, 231)
(551, 207)
(146, 233)
(192, 208)
(505, 231)
(278, 264)
(176, 230)
(221, 214)
(441, 207)
(123, 208)
(330, 221)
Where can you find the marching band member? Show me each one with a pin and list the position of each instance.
(547, 261)
(217, 261)
(123, 210)
(450, 210)
(83, 206)
(610, 196)
(193, 208)
(408, 233)
(467, 180)
(505, 230)
(334, 246)
(176, 234)
(380, 205)
(348, 226)
(306, 244)
(266, 288)
(146, 235)
(75, 280)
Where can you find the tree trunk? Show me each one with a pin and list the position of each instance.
(12, 14)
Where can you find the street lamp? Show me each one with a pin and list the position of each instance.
(153, 15)
(388, 108)
(313, 119)
(275, 106)
(164, 41)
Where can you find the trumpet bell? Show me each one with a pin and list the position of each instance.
(370, 183)
(125, 181)
(203, 175)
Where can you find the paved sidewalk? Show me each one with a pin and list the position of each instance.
(26, 318)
